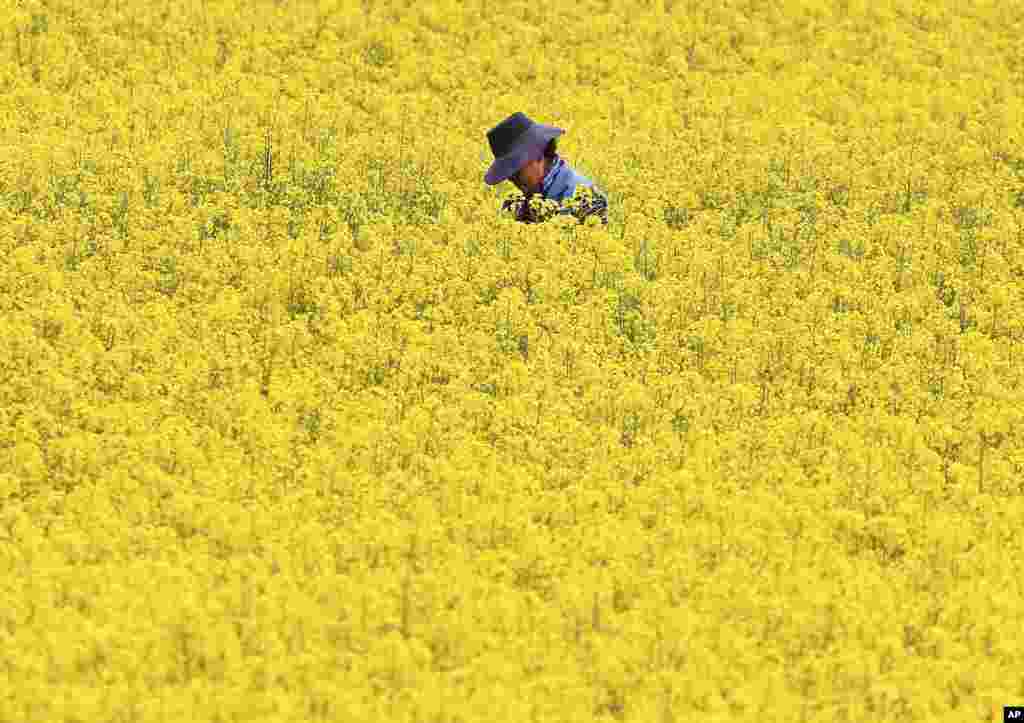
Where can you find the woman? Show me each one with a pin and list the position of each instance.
(526, 153)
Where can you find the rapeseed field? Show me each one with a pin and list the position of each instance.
(295, 426)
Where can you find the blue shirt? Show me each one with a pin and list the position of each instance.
(559, 184)
(561, 180)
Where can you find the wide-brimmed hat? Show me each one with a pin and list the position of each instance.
(512, 141)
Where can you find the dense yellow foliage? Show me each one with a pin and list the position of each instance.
(293, 426)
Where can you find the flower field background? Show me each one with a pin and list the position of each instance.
(293, 426)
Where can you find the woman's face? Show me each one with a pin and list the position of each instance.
(530, 177)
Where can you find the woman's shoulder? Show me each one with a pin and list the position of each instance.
(583, 180)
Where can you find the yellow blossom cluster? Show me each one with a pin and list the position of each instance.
(295, 425)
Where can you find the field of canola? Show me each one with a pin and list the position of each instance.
(294, 427)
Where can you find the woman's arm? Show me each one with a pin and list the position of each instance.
(591, 202)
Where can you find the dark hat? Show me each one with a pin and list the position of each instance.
(512, 141)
